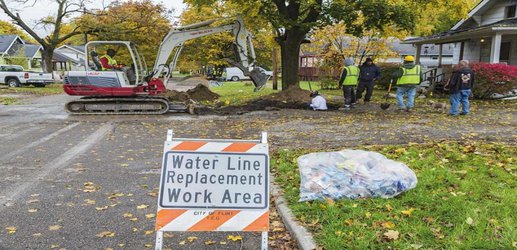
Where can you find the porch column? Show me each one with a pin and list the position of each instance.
(440, 50)
(495, 52)
(418, 52)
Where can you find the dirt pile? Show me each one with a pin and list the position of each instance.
(202, 93)
(293, 94)
(198, 94)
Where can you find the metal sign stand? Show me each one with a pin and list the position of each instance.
(159, 233)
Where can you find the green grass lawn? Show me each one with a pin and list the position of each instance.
(237, 93)
(466, 198)
(50, 89)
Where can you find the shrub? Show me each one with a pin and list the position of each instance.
(387, 70)
(493, 79)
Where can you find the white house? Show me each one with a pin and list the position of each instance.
(75, 54)
(488, 34)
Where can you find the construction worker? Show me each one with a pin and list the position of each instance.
(318, 102)
(349, 79)
(369, 74)
(107, 61)
(407, 79)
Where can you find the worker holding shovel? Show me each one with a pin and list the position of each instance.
(407, 79)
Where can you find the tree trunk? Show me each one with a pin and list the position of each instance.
(47, 59)
(275, 68)
(290, 56)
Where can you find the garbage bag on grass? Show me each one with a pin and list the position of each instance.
(352, 174)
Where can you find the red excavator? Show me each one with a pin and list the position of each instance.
(131, 89)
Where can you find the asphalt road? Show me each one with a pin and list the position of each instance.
(87, 182)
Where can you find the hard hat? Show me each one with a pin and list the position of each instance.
(409, 59)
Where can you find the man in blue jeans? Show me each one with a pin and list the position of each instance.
(407, 78)
(460, 85)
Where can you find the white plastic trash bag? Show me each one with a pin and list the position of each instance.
(352, 174)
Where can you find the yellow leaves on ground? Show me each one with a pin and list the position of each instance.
(400, 150)
(11, 230)
(32, 210)
(210, 242)
(408, 212)
(105, 234)
(391, 235)
(127, 215)
(388, 225)
(148, 232)
(54, 227)
(89, 187)
(234, 238)
(142, 206)
(89, 202)
(192, 238)
(115, 195)
(149, 216)
(389, 207)
(101, 208)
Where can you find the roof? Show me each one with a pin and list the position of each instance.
(479, 8)
(77, 48)
(466, 34)
(31, 50)
(6, 41)
(403, 48)
(60, 57)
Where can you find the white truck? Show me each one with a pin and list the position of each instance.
(16, 76)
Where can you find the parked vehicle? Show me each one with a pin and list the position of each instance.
(16, 76)
(236, 74)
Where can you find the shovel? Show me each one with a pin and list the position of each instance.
(386, 105)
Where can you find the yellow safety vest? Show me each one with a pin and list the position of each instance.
(111, 62)
(352, 75)
(410, 76)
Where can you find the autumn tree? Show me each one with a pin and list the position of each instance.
(213, 49)
(65, 10)
(293, 19)
(10, 29)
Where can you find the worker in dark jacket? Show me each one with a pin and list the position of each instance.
(460, 85)
(407, 79)
(349, 79)
(369, 73)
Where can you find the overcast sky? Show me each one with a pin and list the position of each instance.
(44, 8)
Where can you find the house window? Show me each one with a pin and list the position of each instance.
(510, 11)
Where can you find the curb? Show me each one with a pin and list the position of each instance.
(299, 232)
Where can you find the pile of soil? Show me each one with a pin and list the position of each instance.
(202, 93)
(198, 94)
(293, 94)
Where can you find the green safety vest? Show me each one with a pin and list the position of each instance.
(410, 76)
(111, 62)
(352, 76)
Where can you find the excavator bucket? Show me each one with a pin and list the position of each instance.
(258, 78)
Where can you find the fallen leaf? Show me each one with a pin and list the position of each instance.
(54, 228)
(150, 216)
(368, 215)
(148, 245)
(389, 207)
(182, 242)
(142, 206)
(133, 219)
(388, 225)
(127, 215)
(222, 242)
(33, 210)
(469, 221)
(391, 235)
(408, 212)
(234, 238)
(210, 242)
(37, 234)
(89, 201)
(101, 208)
(191, 238)
(148, 232)
(105, 234)
(11, 230)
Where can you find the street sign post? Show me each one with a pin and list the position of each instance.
(214, 185)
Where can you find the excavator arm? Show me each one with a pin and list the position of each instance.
(243, 48)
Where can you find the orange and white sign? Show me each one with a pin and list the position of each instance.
(214, 185)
